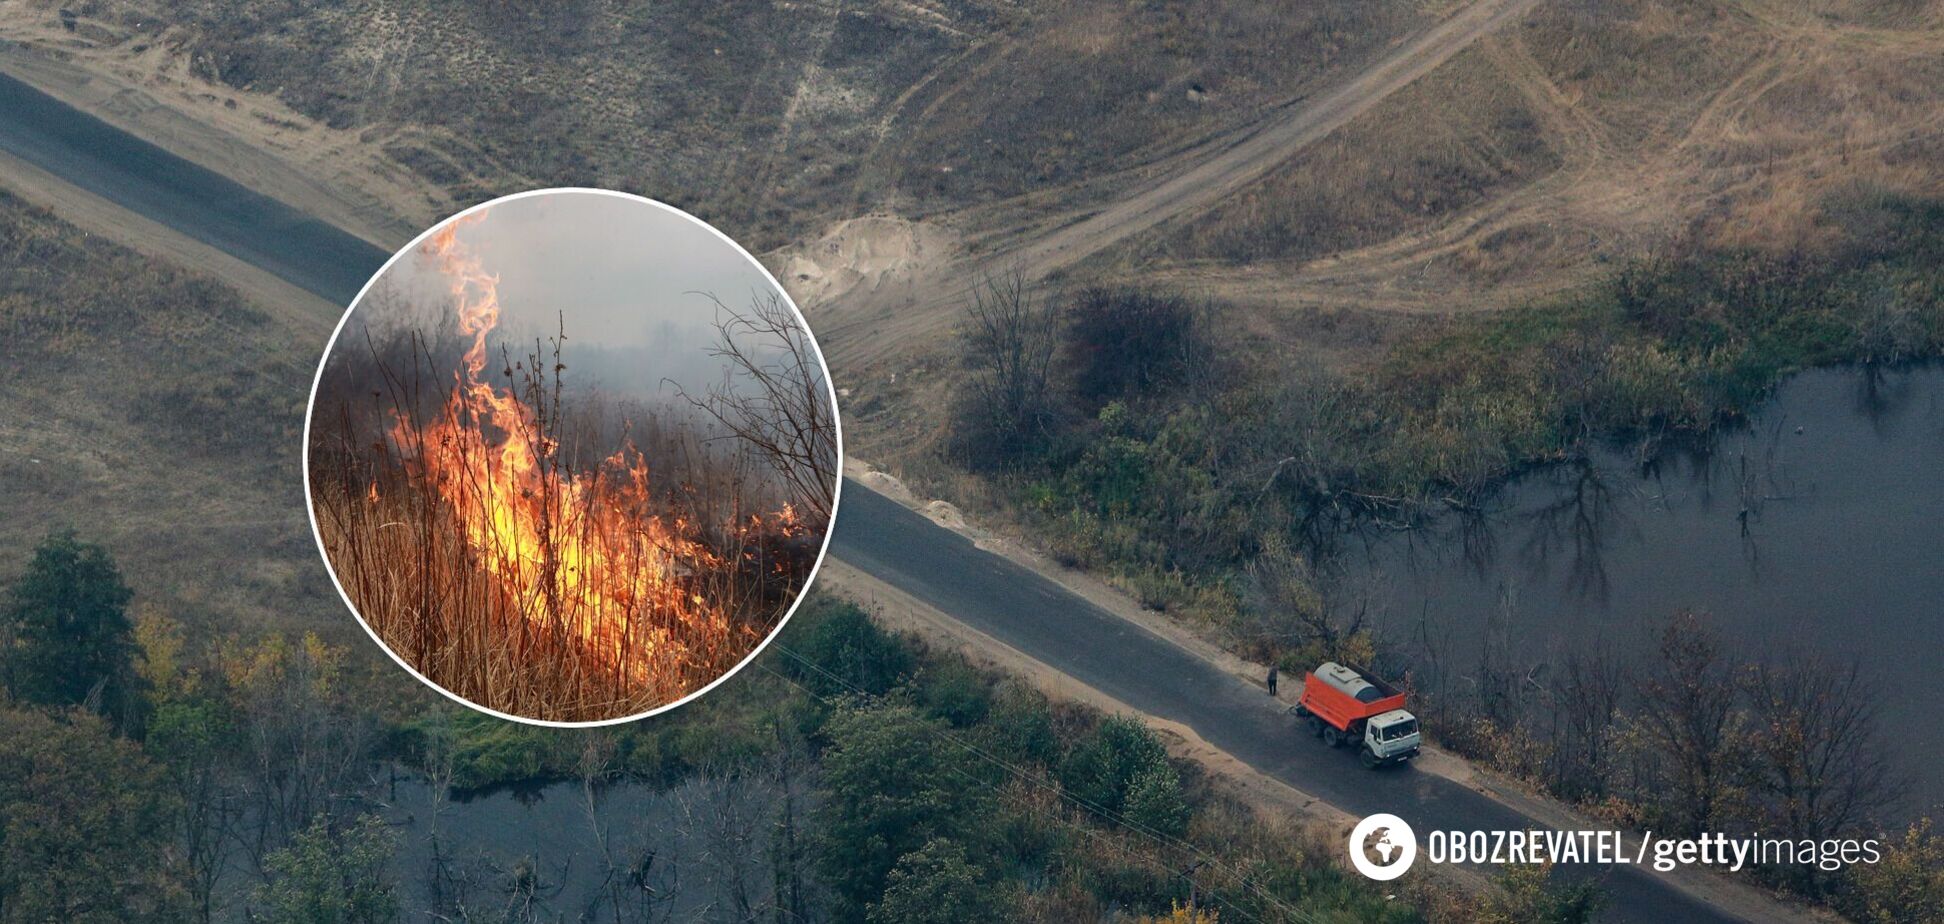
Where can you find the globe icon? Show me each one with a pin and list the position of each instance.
(1384, 846)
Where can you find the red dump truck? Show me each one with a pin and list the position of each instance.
(1348, 706)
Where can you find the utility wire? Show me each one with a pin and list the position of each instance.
(1162, 839)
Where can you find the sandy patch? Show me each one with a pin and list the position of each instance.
(857, 255)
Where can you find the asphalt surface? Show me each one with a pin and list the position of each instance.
(203, 204)
(1147, 672)
(886, 540)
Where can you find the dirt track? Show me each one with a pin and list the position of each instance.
(861, 329)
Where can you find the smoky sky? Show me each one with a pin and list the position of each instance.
(629, 281)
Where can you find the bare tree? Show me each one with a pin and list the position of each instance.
(723, 813)
(779, 399)
(1586, 694)
(1010, 338)
(788, 852)
(1821, 766)
(303, 743)
(639, 884)
(1687, 707)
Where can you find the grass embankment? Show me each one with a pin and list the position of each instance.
(815, 114)
(157, 412)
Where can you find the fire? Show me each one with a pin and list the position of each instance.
(581, 554)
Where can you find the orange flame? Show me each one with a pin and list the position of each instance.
(580, 553)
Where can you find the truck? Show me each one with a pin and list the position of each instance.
(1344, 705)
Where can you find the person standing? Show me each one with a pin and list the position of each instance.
(1272, 679)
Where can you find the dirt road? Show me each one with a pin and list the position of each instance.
(866, 328)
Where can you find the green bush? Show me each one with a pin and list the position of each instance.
(891, 785)
(1155, 802)
(954, 691)
(839, 651)
(1103, 767)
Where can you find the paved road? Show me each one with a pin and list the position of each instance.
(207, 206)
(1033, 614)
(1127, 662)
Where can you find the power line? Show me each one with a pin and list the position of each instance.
(1162, 839)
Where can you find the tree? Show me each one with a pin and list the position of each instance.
(1586, 703)
(84, 824)
(936, 884)
(846, 653)
(1687, 707)
(1102, 769)
(1908, 885)
(331, 875)
(890, 787)
(781, 405)
(303, 740)
(1820, 766)
(67, 633)
(188, 737)
(1007, 411)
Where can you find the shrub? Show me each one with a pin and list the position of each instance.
(1155, 802)
(843, 652)
(937, 884)
(1124, 343)
(952, 690)
(1102, 769)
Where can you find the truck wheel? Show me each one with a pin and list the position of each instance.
(1369, 760)
(1332, 737)
(1316, 726)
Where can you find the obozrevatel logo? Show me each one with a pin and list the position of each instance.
(1382, 847)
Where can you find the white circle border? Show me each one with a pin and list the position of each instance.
(1406, 851)
(830, 389)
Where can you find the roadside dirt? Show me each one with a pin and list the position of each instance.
(857, 256)
(307, 315)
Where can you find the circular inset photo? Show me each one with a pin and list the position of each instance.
(572, 457)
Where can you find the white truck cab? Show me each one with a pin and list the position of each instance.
(1390, 737)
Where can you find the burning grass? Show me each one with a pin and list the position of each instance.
(547, 552)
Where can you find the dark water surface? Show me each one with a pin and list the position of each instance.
(659, 854)
(1841, 551)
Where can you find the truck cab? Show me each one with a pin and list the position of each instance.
(1390, 737)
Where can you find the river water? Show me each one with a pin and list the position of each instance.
(695, 851)
(1818, 525)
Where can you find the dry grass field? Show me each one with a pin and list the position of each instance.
(157, 412)
(1590, 134)
(769, 120)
